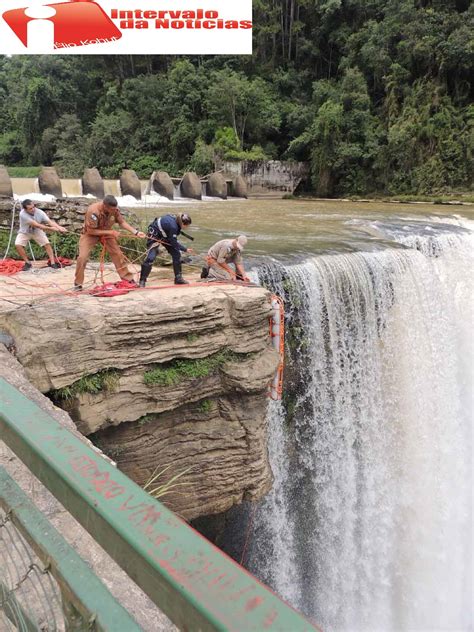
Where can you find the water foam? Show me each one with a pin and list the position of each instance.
(370, 513)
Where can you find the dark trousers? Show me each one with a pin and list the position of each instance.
(151, 256)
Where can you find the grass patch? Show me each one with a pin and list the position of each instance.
(106, 380)
(174, 372)
(146, 419)
(163, 488)
(205, 406)
(24, 172)
(192, 338)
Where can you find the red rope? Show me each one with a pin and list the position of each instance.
(70, 292)
(8, 267)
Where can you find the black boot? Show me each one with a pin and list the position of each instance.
(204, 272)
(178, 280)
(178, 275)
(144, 272)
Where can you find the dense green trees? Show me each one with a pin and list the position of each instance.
(376, 94)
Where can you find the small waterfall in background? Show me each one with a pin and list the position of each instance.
(369, 522)
(112, 187)
(71, 187)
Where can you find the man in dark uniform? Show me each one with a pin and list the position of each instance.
(164, 231)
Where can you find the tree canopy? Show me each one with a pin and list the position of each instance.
(375, 94)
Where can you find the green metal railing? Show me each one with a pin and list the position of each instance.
(85, 601)
(189, 579)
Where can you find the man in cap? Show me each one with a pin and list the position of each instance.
(98, 222)
(164, 231)
(220, 255)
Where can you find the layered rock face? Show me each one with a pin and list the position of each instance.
(171, 379)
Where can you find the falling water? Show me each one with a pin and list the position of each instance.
(368, 525)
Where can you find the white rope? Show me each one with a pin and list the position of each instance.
(31, 250)
(53, 239)
(11, 231)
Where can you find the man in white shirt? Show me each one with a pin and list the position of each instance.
(33, 223)
(223, 253)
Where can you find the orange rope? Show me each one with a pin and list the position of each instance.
(281, 350)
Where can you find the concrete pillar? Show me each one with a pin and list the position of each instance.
(92, 183)
(6, 189)
(49, 182)
(217, 186)
(239, 187)
(130, 184)
(162, 184)
(191, 186)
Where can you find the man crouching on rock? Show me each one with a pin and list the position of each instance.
(98, 222)
(220, 255)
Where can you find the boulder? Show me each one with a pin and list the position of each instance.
(6, 189)
(191, 186)
(130, 184)
(92, 183)
(239, 187)
(162, 184)
(217, 186)
(49, 182)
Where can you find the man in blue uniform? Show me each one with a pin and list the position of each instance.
(164, 231)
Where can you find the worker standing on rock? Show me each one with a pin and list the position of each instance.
(220, 255)
(33, 223)
(164, 231)
(98, 222)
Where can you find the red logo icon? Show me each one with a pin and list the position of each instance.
(76, 23)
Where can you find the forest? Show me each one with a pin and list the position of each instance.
(376, 95)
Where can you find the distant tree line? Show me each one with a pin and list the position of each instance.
(376, 94)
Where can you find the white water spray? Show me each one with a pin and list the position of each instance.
(371, 510)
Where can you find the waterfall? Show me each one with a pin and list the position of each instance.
(368, 525)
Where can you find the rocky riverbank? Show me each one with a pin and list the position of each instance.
(173, 378)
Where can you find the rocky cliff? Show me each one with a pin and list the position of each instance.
(174, 378)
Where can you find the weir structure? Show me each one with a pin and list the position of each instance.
(190, 185)
(189, 579)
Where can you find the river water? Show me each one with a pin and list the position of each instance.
(369, 522)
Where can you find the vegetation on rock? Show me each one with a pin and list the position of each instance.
(94, 383)
(172, 373)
